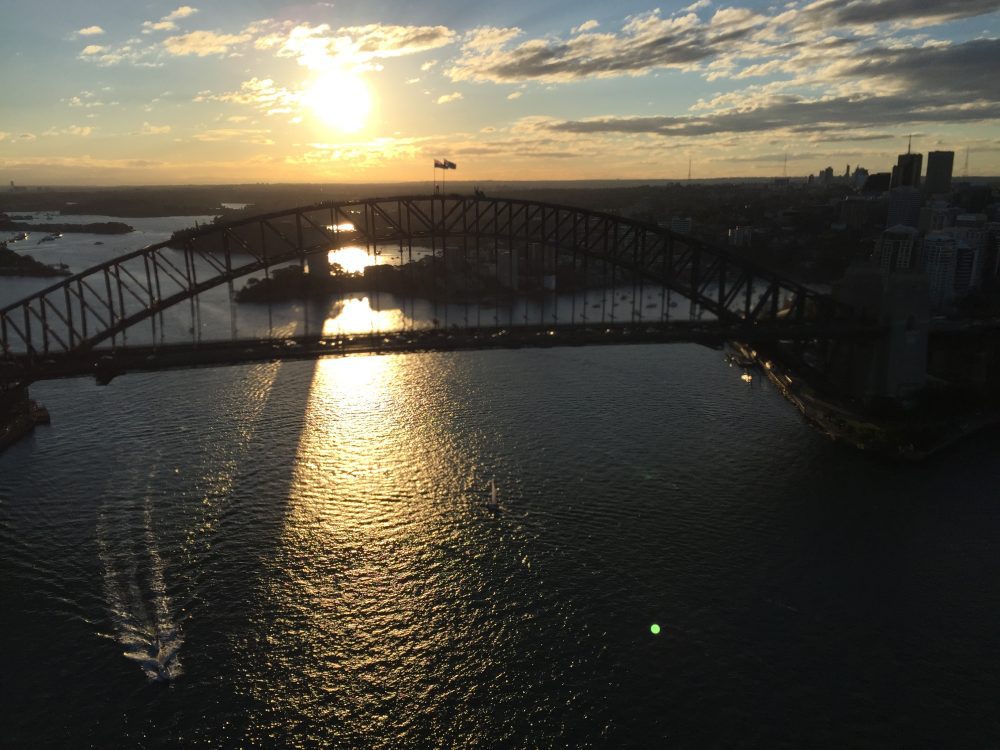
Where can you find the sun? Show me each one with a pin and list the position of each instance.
(340, 99)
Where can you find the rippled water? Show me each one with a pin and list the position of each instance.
(303, 554)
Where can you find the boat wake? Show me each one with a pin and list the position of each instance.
(144, 622)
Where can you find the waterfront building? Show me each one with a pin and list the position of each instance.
(740, 236)
(680, 225)
(895, 364)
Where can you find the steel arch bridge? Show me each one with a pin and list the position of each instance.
(96, 308)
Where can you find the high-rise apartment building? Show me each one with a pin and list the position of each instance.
(940, 253)
(896, 249)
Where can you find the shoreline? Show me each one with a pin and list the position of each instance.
(22, 424)
(865, 432)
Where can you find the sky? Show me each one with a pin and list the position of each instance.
(123, 92)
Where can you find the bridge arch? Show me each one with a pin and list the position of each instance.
(104, 301)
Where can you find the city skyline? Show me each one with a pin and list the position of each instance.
(173, 94)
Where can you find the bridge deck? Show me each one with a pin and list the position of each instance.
(107, 363)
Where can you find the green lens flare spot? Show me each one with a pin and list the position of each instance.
(654, 629)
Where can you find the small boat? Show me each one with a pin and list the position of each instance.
(493, 505)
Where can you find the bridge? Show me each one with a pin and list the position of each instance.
(450, 250)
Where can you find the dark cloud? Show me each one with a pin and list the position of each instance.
(643, 44)
(796, 114)
(968, 70)
(915, 12)
(949, 84)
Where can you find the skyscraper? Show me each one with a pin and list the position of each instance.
(906, 173)
(939, 166)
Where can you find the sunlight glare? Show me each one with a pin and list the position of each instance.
(340, 99)
(353, 259)
(356, 315)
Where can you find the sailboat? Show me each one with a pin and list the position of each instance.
(493, 505)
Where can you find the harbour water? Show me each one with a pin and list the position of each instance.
(303, 554)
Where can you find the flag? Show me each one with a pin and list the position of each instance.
(440, 164)
(450, 164)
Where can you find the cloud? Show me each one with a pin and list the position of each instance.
(447, 98)
(182, 12)
(321, 47)
(256, 137)
(261, 93)
(203, 43)
(78, 130)
(90, 31)
(733, 42)
(645, 42)
(86, 100)
(358, 155)
(514, 95)
(167, 22)
(794, 115)
(148, 27)
(148, 129)
(134, 51)
(910, 13)
(963, 72)
(428, 65)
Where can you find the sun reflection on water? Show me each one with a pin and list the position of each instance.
(354, 259)
(356, 315)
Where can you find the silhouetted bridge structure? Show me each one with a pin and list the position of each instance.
(447, 250)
